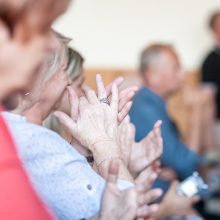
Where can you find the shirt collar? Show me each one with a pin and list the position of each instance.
(13, 117)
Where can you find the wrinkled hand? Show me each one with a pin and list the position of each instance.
(142, 154)
(125, 96)
(168, 174)
(148, 171)
(93, 121)
(128, 204)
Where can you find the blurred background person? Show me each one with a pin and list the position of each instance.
(162, 75)
(210, 70)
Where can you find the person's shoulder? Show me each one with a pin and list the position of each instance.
(211, 56)
(143, 96)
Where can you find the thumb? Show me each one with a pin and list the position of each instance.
(66, 121)
(174, 186)
(113, 172)
(74, 103)
(195, 199)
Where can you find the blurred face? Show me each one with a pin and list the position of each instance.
(22, 51)
(60, 81)
(217, 27)
(77, 85)
(166, 74)
(19, 62)
(38, 16)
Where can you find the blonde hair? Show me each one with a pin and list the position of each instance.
(75, 63)
(150, 54)
(74, 69)
(55, 58)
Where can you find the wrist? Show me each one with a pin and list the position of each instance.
(104, 149)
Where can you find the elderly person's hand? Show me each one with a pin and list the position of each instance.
(138, 156)
(95, 126)
(125, 96)
(128, 204)
(96, 122)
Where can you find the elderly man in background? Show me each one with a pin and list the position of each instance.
(211, 68)
(162, 75)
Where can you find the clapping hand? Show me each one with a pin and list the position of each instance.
(138, 156)
(128, 204)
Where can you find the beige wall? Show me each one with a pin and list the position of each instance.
(111, 33)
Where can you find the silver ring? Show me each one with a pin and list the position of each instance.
(104, 100)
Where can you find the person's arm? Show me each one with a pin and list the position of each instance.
(64, 179)
(175, 155)
(95, 125)
(18, 200)
(175, 205)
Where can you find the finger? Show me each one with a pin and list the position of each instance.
(66, 121)
(123, 101)
(118, 81)
(92, 98)
(114, 101)
(174, 186)
(124, 112)
(158, 124)
(149, 197)
(126, 119)
(195, 199)
(147, 184)
(83, 103)
(74, 103)
(100, 87)
(147, 211)
(126, 91)
(113, 172)
(86, 89)
(144, 175)
(143, 211)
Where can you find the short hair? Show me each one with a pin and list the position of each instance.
(213, 19)
(75, 63)
(150, 53)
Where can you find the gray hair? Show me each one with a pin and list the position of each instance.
(75, 63)
(150, 54)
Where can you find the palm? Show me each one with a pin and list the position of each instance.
(113, 199)
(144, 153)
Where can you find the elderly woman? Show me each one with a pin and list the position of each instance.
(60, 174)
